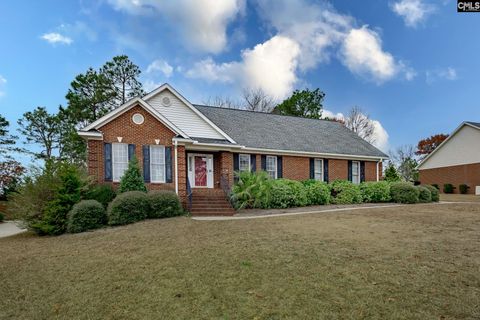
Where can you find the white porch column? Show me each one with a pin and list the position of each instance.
(176, 166)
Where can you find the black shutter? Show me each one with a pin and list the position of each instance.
(362, 171)
(349, 170)
(312, 168)
(236, 166)
(325, 170)
(168, 165)
(253, 162)
(264, 162)
(146, 163)
(279, 167)
(107, 161)
(131, 151)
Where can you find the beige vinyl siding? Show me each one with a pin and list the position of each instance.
(183, 117)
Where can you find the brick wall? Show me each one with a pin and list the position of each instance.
(337, 169)
(296, 168)
(131, 133)
(468, 174)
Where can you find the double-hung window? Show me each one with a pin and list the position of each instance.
(243, 162)
(119, 160)
(356, 172)
(157, 164)
(318, 169)
(271, 166)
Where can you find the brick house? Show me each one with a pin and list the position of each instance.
(456, 160)
(194, 150)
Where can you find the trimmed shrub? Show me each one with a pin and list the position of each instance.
(128, 207)
(404, 192)
(132, 179)
(448, 188)
(317, 192)
(436, 186)
(86, 215)
(424, 194)
(287, 193)
(345, 192)
(375, 191)
(463, 188)
(103, 193)
(434, 192)
(2, 217)
(163, 204)
(252, 190)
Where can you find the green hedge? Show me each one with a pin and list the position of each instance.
(287, 193)
(448, 188)
(86, 215)
(404, 192)
(103, 193)
(345, 192)
(435, 194)
(463, 188)
(424, 194)
(128, 207)
(317, 192)
(375, 191)
(163, 204)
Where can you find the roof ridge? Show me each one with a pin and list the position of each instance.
(262, 112)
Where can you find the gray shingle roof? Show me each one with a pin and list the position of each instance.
(271, 131)
(476, 124)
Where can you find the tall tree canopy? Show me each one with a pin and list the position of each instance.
(10, 170)
(7, 141)
(305, 103)
(427, 145)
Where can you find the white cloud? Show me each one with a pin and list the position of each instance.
(160, 66)
(54, 38)
(269, 66)
(203, 23)
(449, 74)
(150, 85)
(3, 82)
(413, 12)
(332, 115)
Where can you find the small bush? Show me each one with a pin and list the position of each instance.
(436, 186)
(86, 215)
(163, 204)
(132, 179)
(404, 192)
(128, 207)
(345, 192)
(375, 191)
(434, 192)
(317, 192)
(2, 217)
(424, 194)
(448, 188)
(252, 190)
(286, 194)
(103, 193)
(463, 188)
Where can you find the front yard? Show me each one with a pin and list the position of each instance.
(414, 262)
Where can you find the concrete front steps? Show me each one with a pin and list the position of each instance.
(210, 202)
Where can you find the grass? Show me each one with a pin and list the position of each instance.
(413, 262)
(459, 197)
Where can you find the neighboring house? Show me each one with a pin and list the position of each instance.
(184, 147)
(456, 160)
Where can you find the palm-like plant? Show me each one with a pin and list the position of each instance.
(252, 190)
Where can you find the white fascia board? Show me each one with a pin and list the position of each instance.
(90, 135)
(189, 105)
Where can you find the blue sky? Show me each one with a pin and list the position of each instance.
(412, 65)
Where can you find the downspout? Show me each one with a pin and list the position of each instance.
(378, 174)
(176, 167)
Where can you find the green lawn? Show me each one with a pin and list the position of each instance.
(412, 262)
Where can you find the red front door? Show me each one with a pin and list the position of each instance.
(200, 171)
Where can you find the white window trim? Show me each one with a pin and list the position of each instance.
(249, 162)
(315, 169)
(113, 161)
(276, 165)
(358, 172)
(164, 165)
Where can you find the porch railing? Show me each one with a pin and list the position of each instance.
(189, 195)
(225, 186)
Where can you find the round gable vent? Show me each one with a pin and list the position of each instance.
(138, 118)
(166, 101)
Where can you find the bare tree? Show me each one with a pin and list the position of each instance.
(222, 102)
(257, 100)
(360, 123)
(405, 160)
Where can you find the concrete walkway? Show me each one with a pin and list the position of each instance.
(294, 211)
(10, 228)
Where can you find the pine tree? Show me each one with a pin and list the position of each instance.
(391, 173)
(132, 179)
